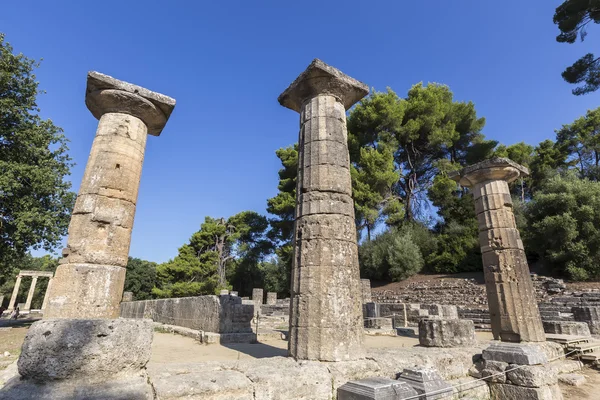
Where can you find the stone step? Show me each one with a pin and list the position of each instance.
(582, 348)
(593, 356)
(566, 339)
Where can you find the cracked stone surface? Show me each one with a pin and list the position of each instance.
(89, 282)
(326, 296)
(511, 297)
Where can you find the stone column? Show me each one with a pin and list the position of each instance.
(366, 290)
(30, 294)
(326, 299)
(89, 282)
(511, 297)
(13, 298)
(45, 303)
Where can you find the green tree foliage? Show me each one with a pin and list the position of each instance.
(221, 248)
(35, 198)
(140, 278)
(392, 255)
(572, 18)
(564, 227)
(283, 207)
(580, 141)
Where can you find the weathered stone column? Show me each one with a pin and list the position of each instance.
(89, 282)
(326, 299)
(13, 298)
(45, 303)
(511, 297)
(30, 294)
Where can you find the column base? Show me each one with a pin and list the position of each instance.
(515, 353)
(86, 290)
(77, 359)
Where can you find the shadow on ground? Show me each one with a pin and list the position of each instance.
(257, 350)
(17, 323)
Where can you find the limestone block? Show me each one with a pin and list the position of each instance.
(490, 187)
(86, 289)
(278, 378)
(365, 285)
(323, 127)
(105, 94)
(271, 298)
(515, 353)
(106, 210)
(572, 379)
(505, 391)
(327, 226)
(325, 152)
(427, 382)
(494, 371)
(322, 80)
(499, 239)
(567, 328)
(130, 387)
(327, 252)
(326, 178)
(257, 296)
(96, 242)
(376, 389)
(531, 375)
(446, 333)
(214, 385)
(96, 350)
(586, 313)
(501, 218)
(127, 296)
(321, 107)
(310, 203)
(493, 202)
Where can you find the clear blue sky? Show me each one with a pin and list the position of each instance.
(225, 62)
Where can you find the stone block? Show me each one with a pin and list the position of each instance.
(512, 392)
(446, 333)
(376, 389)
(257, 296)
(427, 382)
(127, 296)
(365, 285)
(326, 227)
(86, 289)
(589, 315)
(567, 328)
(326, 178)
(326, 152)
(494, 371)
(271, 298)
(572, 379)
(214, 385)
(311, 203)
(515, 353)
(531, 375)
(96, 350)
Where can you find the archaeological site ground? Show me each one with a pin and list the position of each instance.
(404, 254)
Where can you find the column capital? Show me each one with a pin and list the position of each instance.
(105, 94)
(489, 170)
(322, 79)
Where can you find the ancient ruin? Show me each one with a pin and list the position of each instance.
(89, 281)
(66, 355)
(514, 313)
(326, 297)
(35, 275)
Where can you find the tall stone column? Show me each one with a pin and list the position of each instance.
(30, 294)
(326, 299)
(89, 282)
(13, 298)
(45, 303)
(511, 297)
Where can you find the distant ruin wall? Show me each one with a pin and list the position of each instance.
(219, 314)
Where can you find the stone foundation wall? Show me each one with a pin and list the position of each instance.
(219, 314)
